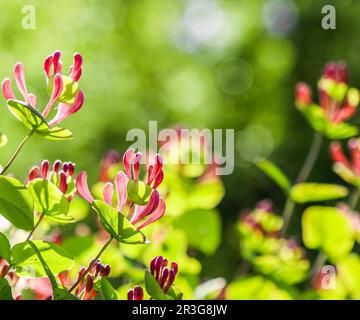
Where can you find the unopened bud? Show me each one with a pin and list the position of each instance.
(45, 169)
(33, 173)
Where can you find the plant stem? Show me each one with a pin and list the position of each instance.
(318, 263)
(111, 238)
(36, 225)
(302, 176)
(354, 198)
(311, 158)
(18, 149)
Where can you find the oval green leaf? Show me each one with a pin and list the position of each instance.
(312, 192)
(5, 249)
(28, 264)
(16, 204)
(138, 192)
(329, 230)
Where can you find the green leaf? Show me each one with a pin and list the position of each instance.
(55, 133)
(255, 288)
(63, 294)
(329, 230)
(107, 290)
(274, 173)
(199, 196)
(311, 192)
(5, 248)
(5, 290)
(27, 262)
(315, 116)
(117, 225)
(16, 204)
(28, 115)
(45, 266)
(202, 228)
(138, 192)
(48, 198)
(340, 131)
(153, 288)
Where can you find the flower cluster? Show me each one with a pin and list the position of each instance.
(336, 99)
(61, 175)
(63, 89)
(347, 168)
(163, 274)
(86, 289)
(136, 199)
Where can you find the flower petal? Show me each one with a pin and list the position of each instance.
(83, 188)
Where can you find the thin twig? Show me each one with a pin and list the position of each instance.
(36, 225)
(18, 149)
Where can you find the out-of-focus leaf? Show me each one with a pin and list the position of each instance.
(329, 230)
(117, 225)
(348, 274)
(199, 196)
(5, 249)
(340, 131)
(16, 204)
(255, 288)
(5, 290)
(274, 173)
(202, 227)
(312, 192)
(28, 264)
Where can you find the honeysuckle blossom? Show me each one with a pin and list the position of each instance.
(153, 210)
(163, 272)
(86, 289)
(61, 174)
(348, 168)
(337, 101)
(64, 89)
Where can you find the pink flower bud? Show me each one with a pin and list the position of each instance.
(45, 169)
(89, 283)
(56, 166)
(174, 267)
(33, 173)
(130, 294)
(71, 168)
(63, 183)
(106, 271)
(138, 293)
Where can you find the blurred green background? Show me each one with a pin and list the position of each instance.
(201, 63)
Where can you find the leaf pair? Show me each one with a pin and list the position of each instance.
(33, 120)
(302, 192)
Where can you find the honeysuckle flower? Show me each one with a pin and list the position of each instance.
(163, 272)
(61, 174)
(86, 289)
(336, 99)
(63, 89)
(347, 168)
(152, 210)
(135, 294)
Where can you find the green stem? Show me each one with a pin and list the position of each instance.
(302, 176)
(36, 225)
(318, 264)
(93, 263)
(354, 198)
(18, 149)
